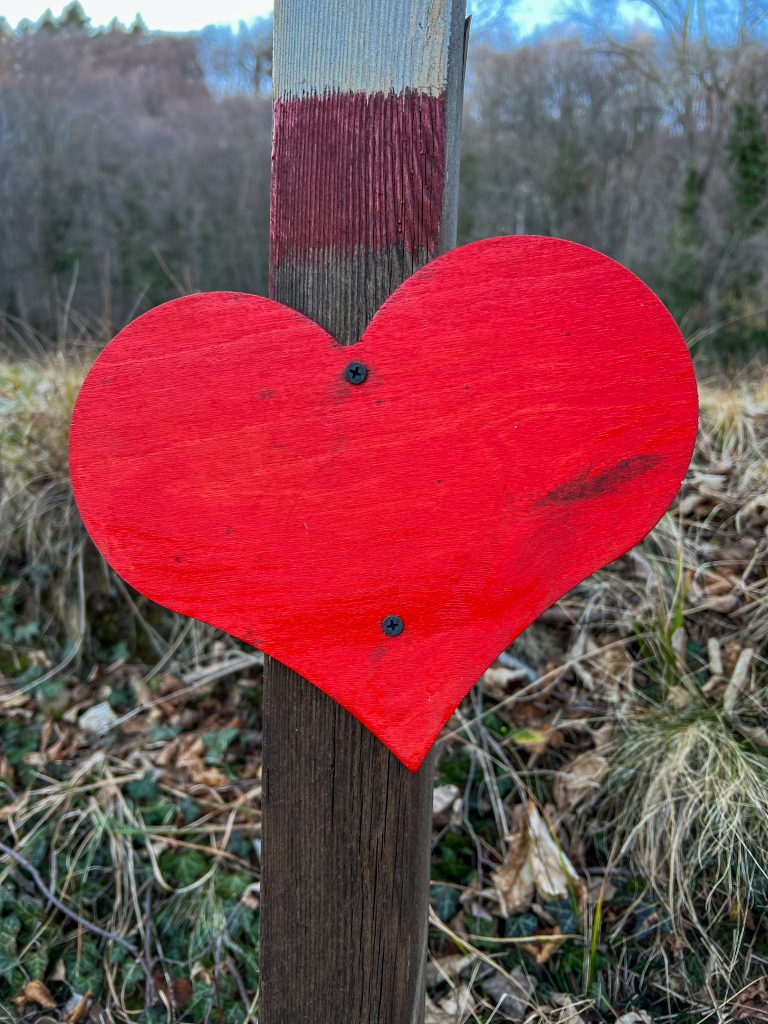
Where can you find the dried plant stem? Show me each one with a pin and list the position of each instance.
(67, 911)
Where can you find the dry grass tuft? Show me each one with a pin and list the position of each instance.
(692, 802)
(38, 520)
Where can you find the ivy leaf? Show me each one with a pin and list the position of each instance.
(184, 867)
(446, 900)
(36, 963)
(216, 744)
(144, 789)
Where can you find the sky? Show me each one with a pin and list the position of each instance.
(187, 15)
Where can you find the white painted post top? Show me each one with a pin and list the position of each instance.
(354, 51)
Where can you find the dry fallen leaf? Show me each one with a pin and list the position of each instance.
(454, 1007)
(446, 968)
(540, 952)
(737, 682)
(579, 779)
(714, 656)
(212, 777)
(552, 871)
(98, 719)
(751, 1004)
(434, 1015)
(76, 1013)
(144, 699)
(443, 799)
(187, 753)
(35, 992)
(498, 680)
(181, 990)
(564, 1009)
(512, 995)
(603, 737)
(514, 879)
(12, 700)
(534, 864)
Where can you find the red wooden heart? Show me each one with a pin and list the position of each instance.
(528, 414)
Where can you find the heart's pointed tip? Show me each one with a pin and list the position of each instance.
(413, 755)
(411, 761)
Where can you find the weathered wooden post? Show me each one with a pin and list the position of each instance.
(367, 118)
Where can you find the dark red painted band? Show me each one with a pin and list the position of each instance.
(357, 172)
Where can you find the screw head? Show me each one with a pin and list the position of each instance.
(393, 625)
(355, 373)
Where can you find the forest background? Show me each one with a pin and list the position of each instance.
(135, 166)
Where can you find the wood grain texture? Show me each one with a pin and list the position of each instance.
(378, 171)
(352, 945)
(528, 414)
(334, 46)
(345, 866)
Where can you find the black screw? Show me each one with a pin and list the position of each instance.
(356, 373)
(393, 625)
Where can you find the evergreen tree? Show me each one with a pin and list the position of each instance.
(138, 28)
(684, 291)
(47, 23)
(743, 289)
(73, 18)
(748, 164)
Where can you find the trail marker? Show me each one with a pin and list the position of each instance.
(520, 412)
(384, 520)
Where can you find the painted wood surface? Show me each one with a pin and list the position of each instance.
(333, 46)
(528, 414)
(373, 205)
(365, 157)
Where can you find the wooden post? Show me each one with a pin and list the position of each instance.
(367, 119)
